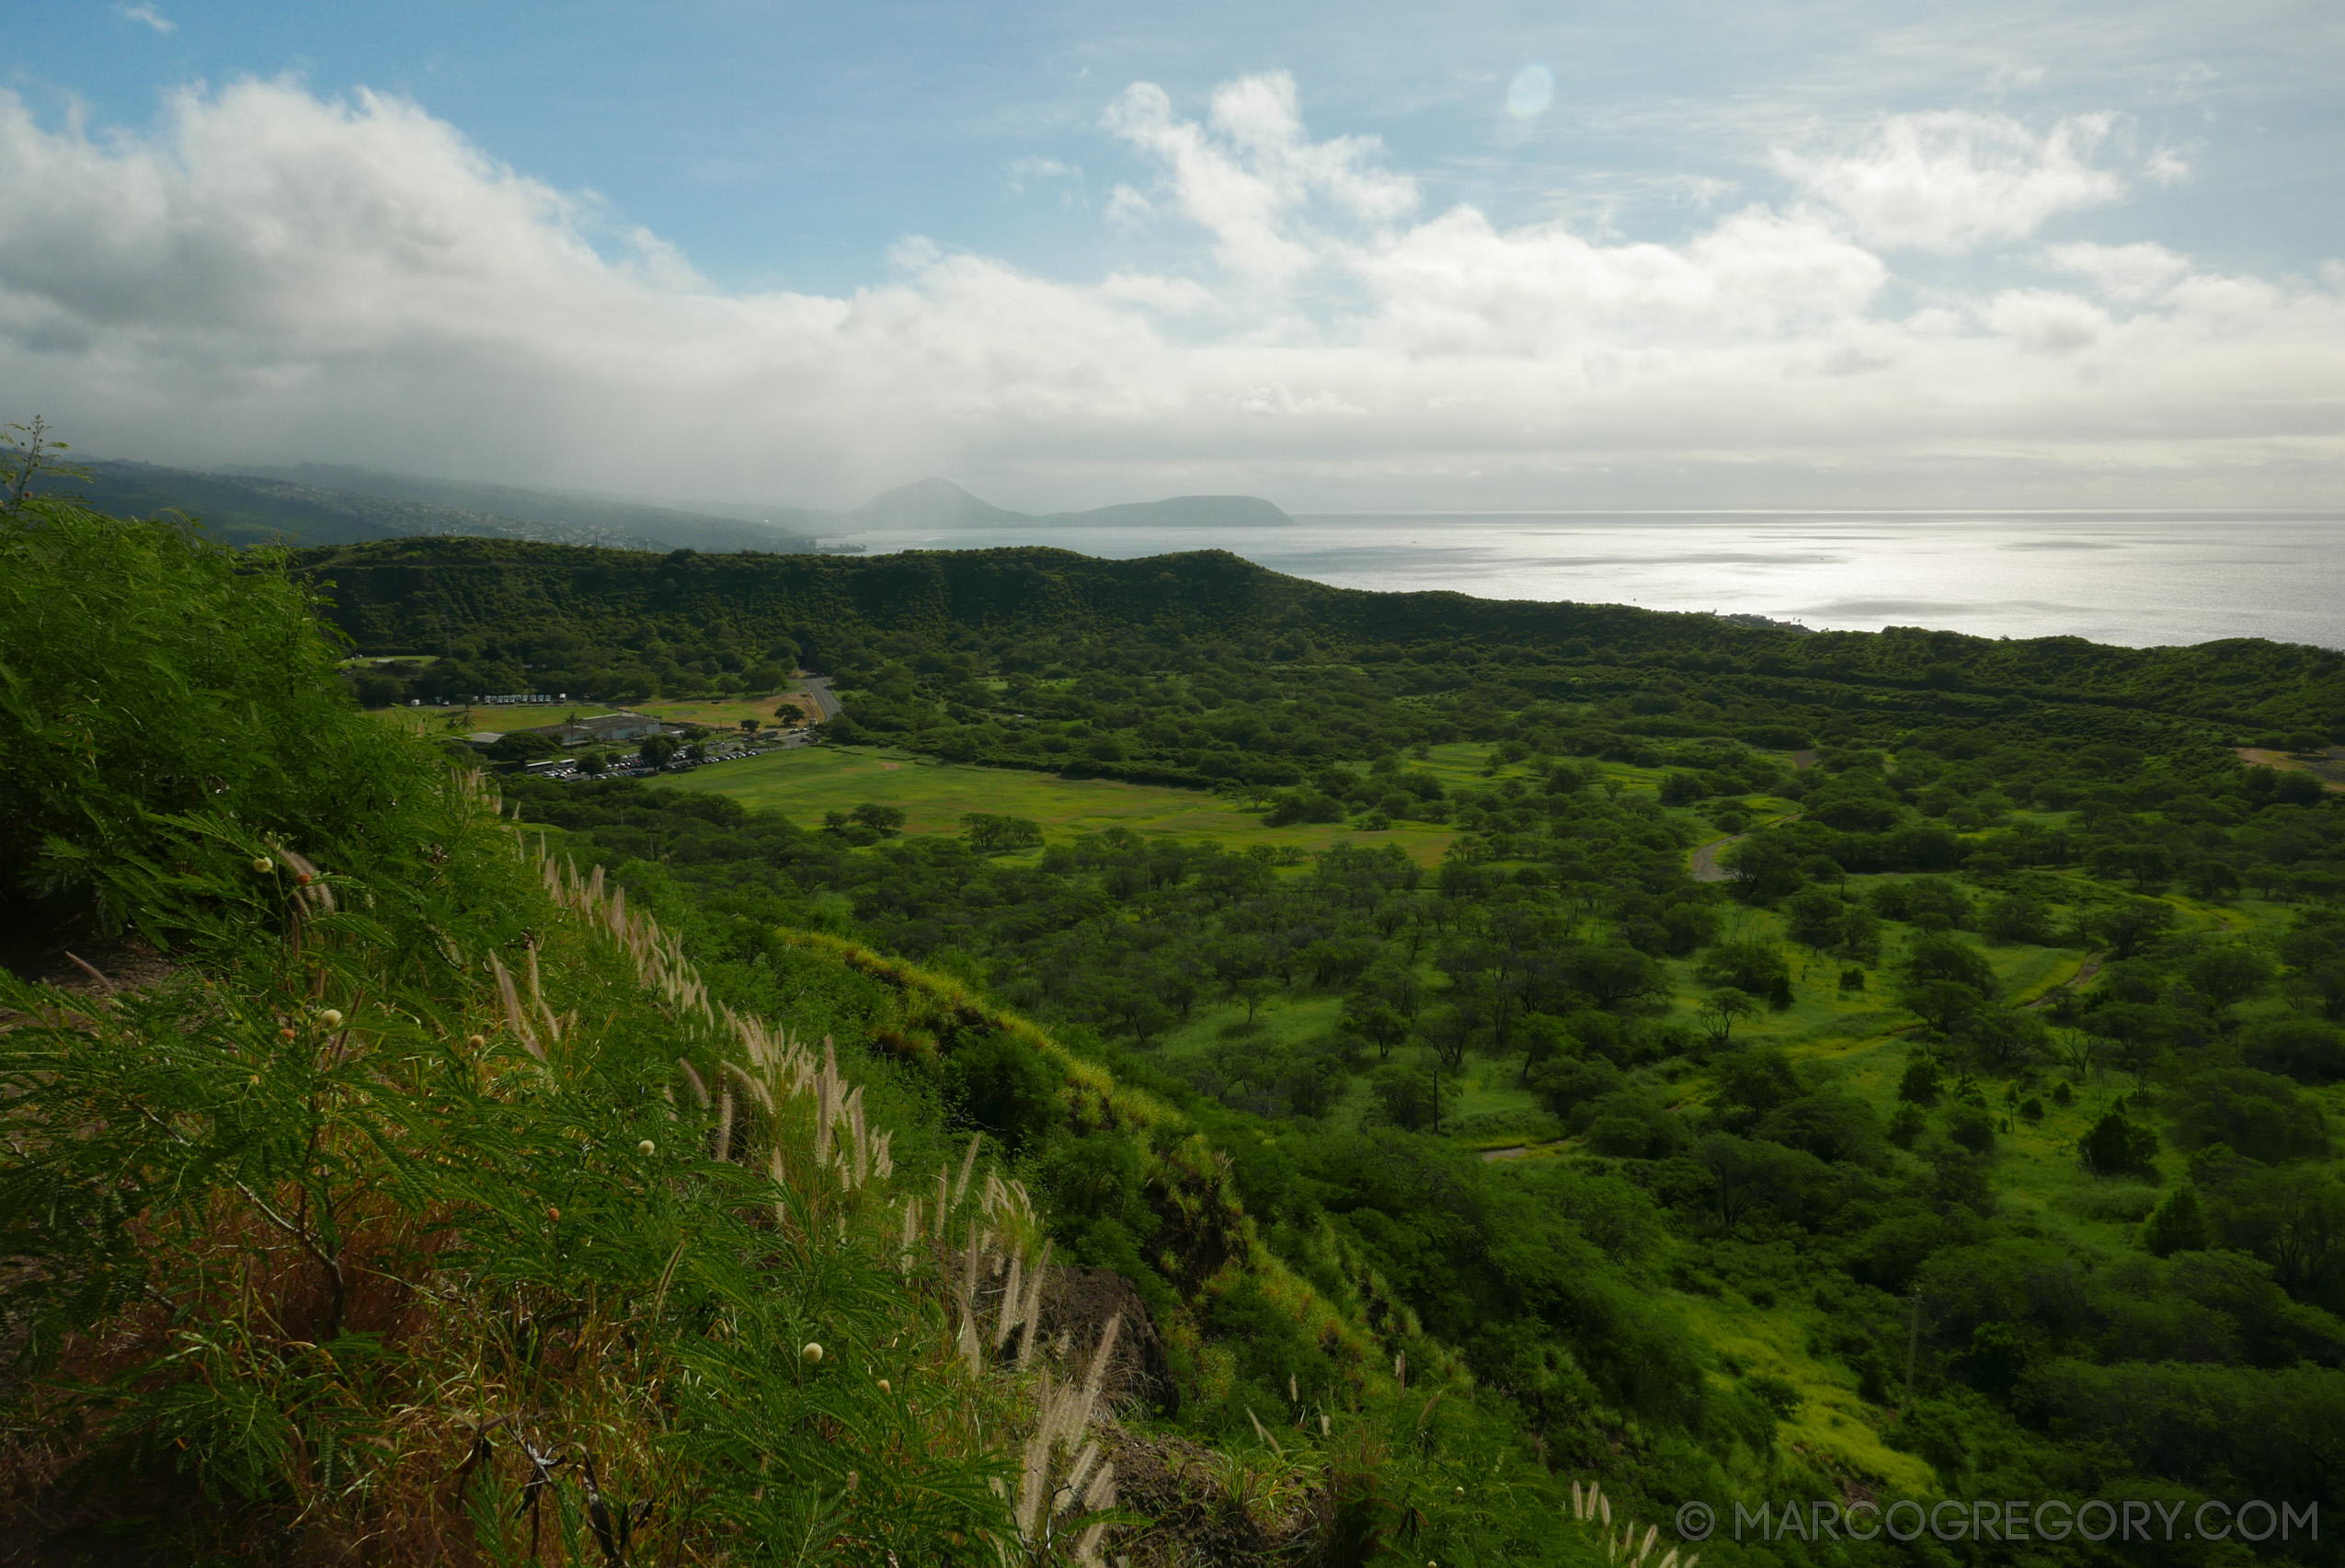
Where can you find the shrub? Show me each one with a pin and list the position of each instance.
(2302, 1048)
(2117, 1144)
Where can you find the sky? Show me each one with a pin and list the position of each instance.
(1361, 258)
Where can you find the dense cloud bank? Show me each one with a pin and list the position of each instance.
(275, 276)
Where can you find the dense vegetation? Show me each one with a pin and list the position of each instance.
(1189, 667)
(1814, 1094)
(377, 1184)
(1970, 1136)
(365, 1220)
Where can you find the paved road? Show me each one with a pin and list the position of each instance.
(824, 704)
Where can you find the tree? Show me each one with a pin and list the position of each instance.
(1940, 1004)
(2176, 1225)
(2229, 973)
(1763, 870)
(1969, 1126)
(2017, 919)
(657, 749)
(750, 725)
(2306, 1050)
(987, 834)
(1541, 1038)
(1399, 988)
(525, 746)
(1941, 957)
(2117, 1144)
(2129, 926)
(2294, 1218)
(1375, 1021)
(1753, 966)
(1812, 917)
(2002, 1041)
(2150, 867)
(2212, 880)
(1719, 1009)
(2263, 1117)
(594, 764)
(886, 820)
(1609, 976)
(1252, 992)
(1406, 1096)
(1746, 1173)
(1919, 1084)
(1453, 1030)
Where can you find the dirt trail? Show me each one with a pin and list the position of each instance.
(1705, 864)
(2076, 982)
(1522, 1151)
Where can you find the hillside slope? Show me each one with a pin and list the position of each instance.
(321, 505)
(398, 595)
(419, 1200)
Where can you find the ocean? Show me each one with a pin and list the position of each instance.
(2139, 579)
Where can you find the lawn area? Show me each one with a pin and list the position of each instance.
(1833, 1418)
(722, 712)
(804, 783)
(496, 717)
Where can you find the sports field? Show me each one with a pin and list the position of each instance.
(805, 783)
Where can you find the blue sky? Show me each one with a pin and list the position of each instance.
(1471, 254)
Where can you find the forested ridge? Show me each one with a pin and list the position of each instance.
(615, 622)
(1970, 1135)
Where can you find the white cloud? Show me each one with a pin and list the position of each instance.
(1951, 180)
(1172, 296)
(151, 16)
(2129, 273)
(1456, 284)
(1032, 171)
(1251, 176)
(2044, 322)
(1278, 398)
(277, 275)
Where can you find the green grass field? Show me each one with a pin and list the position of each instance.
(805, 783)
(464, 719)
(725, 713)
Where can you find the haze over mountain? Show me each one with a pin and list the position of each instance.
(318, 503)
(656, 524)
(326, 504)
(942, 504)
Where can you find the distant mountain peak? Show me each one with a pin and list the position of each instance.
(930, 503)
(940, 503)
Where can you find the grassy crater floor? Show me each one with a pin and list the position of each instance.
(805, 783)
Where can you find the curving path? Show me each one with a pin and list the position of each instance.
(826, 706)
(1705, 864)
